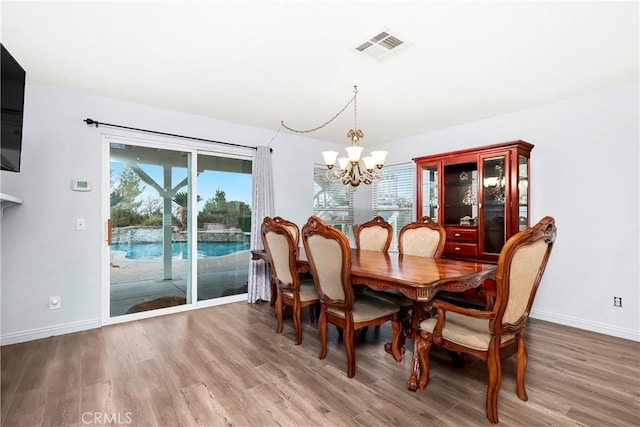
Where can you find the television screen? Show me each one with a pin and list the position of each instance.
(12, 92)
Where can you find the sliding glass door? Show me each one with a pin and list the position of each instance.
(150, 239)
(224, 226)
(179, 226)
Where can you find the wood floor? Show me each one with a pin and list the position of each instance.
(225, 365)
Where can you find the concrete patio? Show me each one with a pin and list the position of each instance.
(135, 281)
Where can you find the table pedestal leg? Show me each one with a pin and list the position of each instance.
(416, 318)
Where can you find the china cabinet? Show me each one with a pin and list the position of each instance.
(480, 196)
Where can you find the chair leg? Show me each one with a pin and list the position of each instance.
(312, 313)
(279, 313)
(274, 291)
(296, 320)
(322, 329)
(522, 368)
(423, 346)
(495, 378)
(348, 342)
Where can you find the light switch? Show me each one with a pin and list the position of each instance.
(80, 224)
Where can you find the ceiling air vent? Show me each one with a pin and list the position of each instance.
(381, 45)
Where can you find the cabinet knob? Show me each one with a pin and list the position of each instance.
(457, 235)
(457, 248)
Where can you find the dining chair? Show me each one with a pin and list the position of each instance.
(423, 238)
(492, 335)
(282, 247)
(295, 232)
(329, 254)
(374, 235)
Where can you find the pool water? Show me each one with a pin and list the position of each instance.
(153, 251)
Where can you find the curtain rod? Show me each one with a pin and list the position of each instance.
(97, 123)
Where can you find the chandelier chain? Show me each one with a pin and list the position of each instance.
(352, 100)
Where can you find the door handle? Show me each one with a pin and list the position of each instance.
(109, 231)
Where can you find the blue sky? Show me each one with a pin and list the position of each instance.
(237, 186)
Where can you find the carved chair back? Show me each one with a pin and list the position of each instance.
(520, 268)
(292, 227)
(374, 235)
(282, 249)
(329, 255)
(422, 238)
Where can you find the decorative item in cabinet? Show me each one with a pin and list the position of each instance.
(483, 196)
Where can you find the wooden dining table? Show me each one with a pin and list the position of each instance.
(418, 278)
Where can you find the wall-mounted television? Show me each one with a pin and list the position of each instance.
(12, 93)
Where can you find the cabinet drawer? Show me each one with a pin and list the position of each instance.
(462, 235)
(461, 249)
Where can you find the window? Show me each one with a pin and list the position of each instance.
(333, 201)
(393, 198)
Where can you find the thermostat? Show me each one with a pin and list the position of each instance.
(81, 185)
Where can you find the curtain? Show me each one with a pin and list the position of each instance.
(259, 287)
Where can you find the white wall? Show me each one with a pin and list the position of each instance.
(43, 255)
(584, 172)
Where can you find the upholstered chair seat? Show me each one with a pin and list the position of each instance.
(464, 330)
(366, 308)
(306, 292)
(392, 296)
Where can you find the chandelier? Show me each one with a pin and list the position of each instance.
(353, 169)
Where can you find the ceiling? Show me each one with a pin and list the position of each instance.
(260, 63)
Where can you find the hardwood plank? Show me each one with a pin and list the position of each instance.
(204, 408)
(26, 408)
(130, 398)
(39, 356)
(96, 399)
(94, 366)
(62, 409)
(64, 366)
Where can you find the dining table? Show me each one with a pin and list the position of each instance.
(418, 278)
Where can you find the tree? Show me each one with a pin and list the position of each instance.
(182, 199)
(116, 197)
(129, 188)
(229, 213)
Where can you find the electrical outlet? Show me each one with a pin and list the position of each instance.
(55, 303)
(617, 301)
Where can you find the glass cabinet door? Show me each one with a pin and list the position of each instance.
(461, 194)
(430, 192)
(493, 204)
(523, 193)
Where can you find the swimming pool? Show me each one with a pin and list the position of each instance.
(178, 249)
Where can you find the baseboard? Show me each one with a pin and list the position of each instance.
(34, 334)
(602, 328)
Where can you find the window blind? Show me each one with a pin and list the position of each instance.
(333, 201)
(393, 198)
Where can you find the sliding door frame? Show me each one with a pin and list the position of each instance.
(194, 148)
